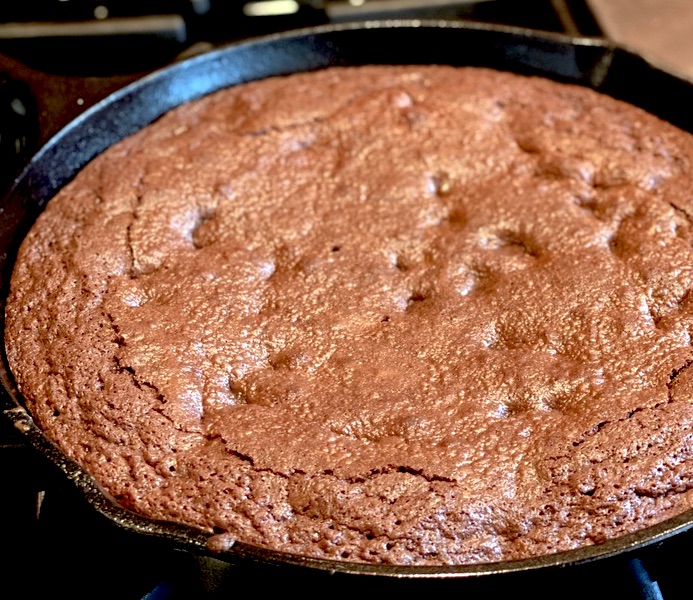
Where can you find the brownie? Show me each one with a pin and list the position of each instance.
(414, 315)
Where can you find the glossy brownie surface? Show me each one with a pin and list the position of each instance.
(416, 315)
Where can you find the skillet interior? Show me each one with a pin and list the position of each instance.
(585, 61)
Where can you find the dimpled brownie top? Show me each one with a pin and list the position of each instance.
(416, 315)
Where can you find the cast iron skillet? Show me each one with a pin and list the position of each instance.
(594, 63)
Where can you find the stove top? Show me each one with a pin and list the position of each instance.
(57, 58)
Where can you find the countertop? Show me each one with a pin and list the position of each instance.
(659, 29)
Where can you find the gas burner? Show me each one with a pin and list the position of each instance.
(102, 37)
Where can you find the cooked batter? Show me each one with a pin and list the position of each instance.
(417, 315)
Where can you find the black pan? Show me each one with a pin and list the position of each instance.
(585, 61)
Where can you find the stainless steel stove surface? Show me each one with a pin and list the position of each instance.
(57, 58)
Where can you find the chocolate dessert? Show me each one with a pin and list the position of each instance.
(414, 315)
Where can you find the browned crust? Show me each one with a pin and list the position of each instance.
(417, 315)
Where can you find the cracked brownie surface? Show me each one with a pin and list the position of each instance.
(416, 315)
